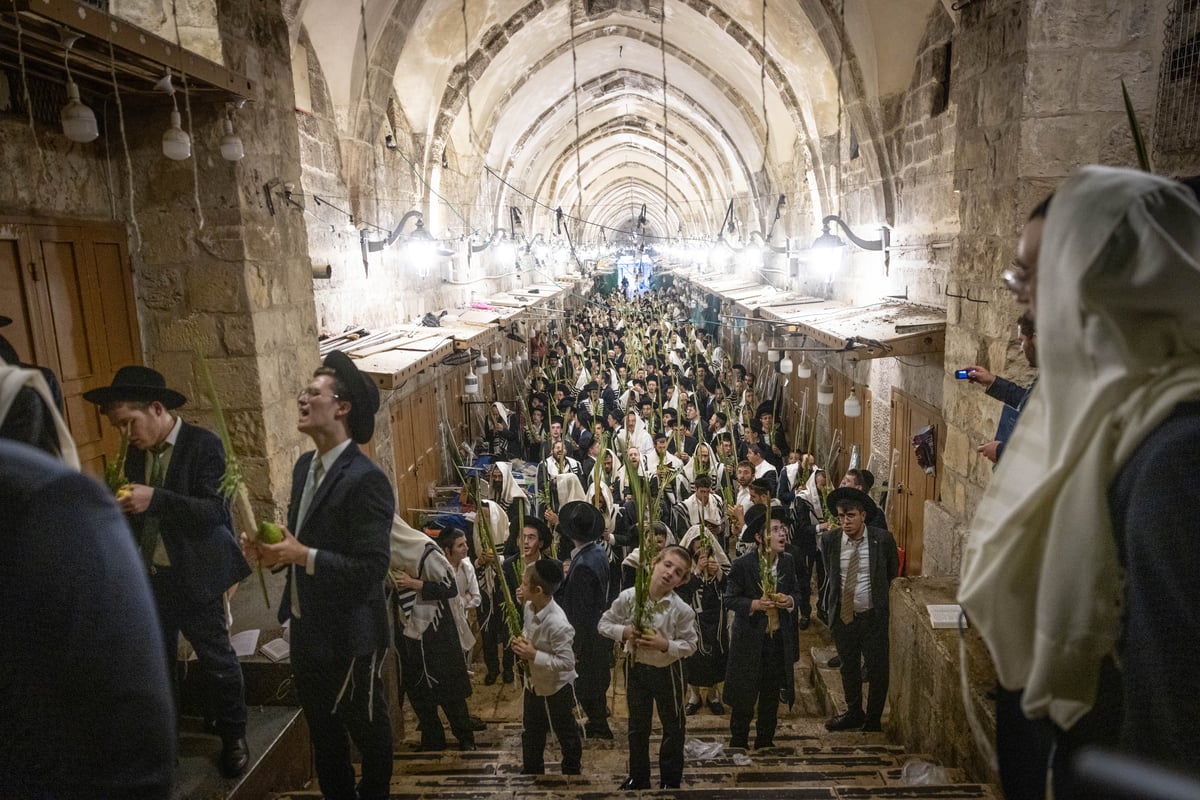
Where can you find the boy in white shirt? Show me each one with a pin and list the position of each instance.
(546, 645)
(655, 674)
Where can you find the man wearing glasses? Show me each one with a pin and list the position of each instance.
(336, 549)
(861, 563)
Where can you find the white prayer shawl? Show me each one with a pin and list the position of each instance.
(570, 489)
(468, 597)
(762, 469)
(418, 555)
(713, 511)
(569, 465)
(693, 533)
(12, 380)
(716, 470)
(1040, 576)
(583, 380)
(509, 490)
(813, 495)
(792, 473)
(651, 461)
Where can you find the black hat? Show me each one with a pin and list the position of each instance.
(765, 407)
(756, 520)
(138, 384)
(581, 521)
(364, 395)
(844, 493)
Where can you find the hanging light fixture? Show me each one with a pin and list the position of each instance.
(773, 355)
(78, 121)
(497, 362)
(825, 389)
(471, 384)
(852, 407)
(176, 144)
(803, 369)
(762, 344)
(786, 365)
(231, 143)
(481, 364)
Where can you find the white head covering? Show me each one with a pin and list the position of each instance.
(12, 380)
(693, 533)
(1118, 280)
(509, 490)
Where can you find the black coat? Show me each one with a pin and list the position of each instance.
(193, 515)
(750, 629)
(884, 561)
(349, 522)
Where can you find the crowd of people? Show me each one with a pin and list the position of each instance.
(641, 507)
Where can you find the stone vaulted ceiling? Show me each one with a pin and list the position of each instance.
(566, 99)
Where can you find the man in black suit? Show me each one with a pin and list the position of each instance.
(341, 511)
(762, 644)
(180, 521)
(858, 613)
(584, 597)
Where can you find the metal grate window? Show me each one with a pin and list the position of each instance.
(1178, 112)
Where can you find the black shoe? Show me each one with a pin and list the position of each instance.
(235, 756)
(716, 707)
(849, 721)
(669, 785)
(834, 663)
(804, 622)
(873, 726)
(602, 733)
(739, 744)
(508, 676)
(476, 724)
(490, 678)
(691, 708)
(431, 747)
(467, 745)
(630, 785)
(210, 727)
(763, 745)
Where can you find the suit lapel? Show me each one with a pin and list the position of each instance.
(328, 482)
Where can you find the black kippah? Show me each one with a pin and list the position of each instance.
(549, 571)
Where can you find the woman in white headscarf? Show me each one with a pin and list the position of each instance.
(1083, 554)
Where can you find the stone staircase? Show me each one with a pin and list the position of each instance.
(807, 763)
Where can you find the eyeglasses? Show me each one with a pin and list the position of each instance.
(310, 393)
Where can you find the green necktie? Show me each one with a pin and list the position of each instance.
(150, 529)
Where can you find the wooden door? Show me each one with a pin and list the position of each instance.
(70, 291)
(912, 485)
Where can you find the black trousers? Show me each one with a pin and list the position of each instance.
(805, 564)
(593, 656)
(646, 688)
(495, 632)
(543, 713)
(343, 701)
(426, 699)
(770, 682)
(863, 642)
(205, 628)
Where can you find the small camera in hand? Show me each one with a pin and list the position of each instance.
(962, 374)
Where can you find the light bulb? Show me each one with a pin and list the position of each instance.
(497, 363)
(804, 369)
(481, 364)
(762, 345)
(508, 365)
(786, 365)
(772, 355)
(231, 144)
(852, 407)
(176, 145)
(78, 121)
(471, 384)
(825, 390)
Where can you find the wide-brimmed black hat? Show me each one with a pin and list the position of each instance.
(580, 521)
(137, 384)
(765, 407)
(844, 493)
(364, 395)
(756, 520)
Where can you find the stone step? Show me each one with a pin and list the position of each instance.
(548, 788)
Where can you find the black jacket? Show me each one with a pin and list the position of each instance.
(884, 561)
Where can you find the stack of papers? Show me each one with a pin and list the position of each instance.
(944, 616)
